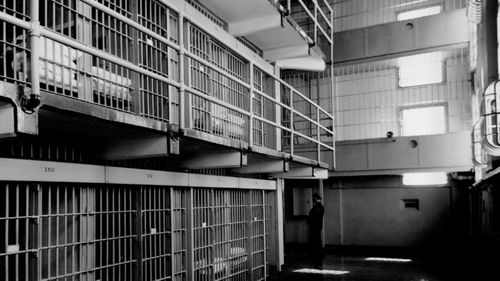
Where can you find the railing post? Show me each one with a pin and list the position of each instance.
(182, 91)
(138, 107)
(137, 244)
(189, 235)
(315, 3)
(249, 233)
(187, 97)
(31, 100)
(250, 118)
(278, 109)
(318, 131)
(292, 126)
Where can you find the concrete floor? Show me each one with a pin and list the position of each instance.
(422, 267)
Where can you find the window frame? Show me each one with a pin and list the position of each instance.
(425, 105)
(443, 71)
(439, 4)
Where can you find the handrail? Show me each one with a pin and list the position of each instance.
(478, 157)
(207, 13)
(294, 111)
(294, 132)
(315, 18)
(215, 67)
(104, 55)
(245, 84)
(293, 90)
(130, 22)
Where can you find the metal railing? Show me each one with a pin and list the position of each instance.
(479, 157)
(207, 13)
(490, 113)
(151, 61)
(315, 17)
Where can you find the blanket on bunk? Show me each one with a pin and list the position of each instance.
(58, 67)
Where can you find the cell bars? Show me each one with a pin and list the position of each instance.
(14, 52)
(216, 72)
(18, 229)
(59, 231)
(229, 235)
(133, 72)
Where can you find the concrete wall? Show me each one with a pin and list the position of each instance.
(404, 154)
(368, 211)
(376, 217)
(351, 14)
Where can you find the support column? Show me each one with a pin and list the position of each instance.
(279, 223)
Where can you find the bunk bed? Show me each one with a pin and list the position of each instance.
(222, 266)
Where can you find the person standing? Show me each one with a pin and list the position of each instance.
(315, 223)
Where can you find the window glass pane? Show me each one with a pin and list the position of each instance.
(413, 14)
(437, 178)
(421, 69)
(423, 121)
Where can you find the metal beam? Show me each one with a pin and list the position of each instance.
(302, 173)
(136, 148)
(215, 159)
(49, 171)
(258, 164)
(117, 175)
(401, 36)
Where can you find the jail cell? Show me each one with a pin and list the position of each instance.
(229, 233)
(257, 234)
(264, 134)
(179, 234)
(269, 224)
(67, 71)
(115, 231)
(86, 232)
(156, 233)
(236, 224)
(217, 72)
(203, 234)
(18, 231)
(159, 100)
(14, 51)
(158, 18)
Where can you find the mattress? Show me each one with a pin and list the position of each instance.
(237, 257)
(58, 67)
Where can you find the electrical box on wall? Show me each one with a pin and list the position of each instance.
(302, 201)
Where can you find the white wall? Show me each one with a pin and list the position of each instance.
(351, 14)
(368, 98)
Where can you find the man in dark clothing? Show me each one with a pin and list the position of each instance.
(315, 222)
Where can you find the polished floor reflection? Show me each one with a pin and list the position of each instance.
(391, 267)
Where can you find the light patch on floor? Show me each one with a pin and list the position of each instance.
(387, 259)
(321, 271)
